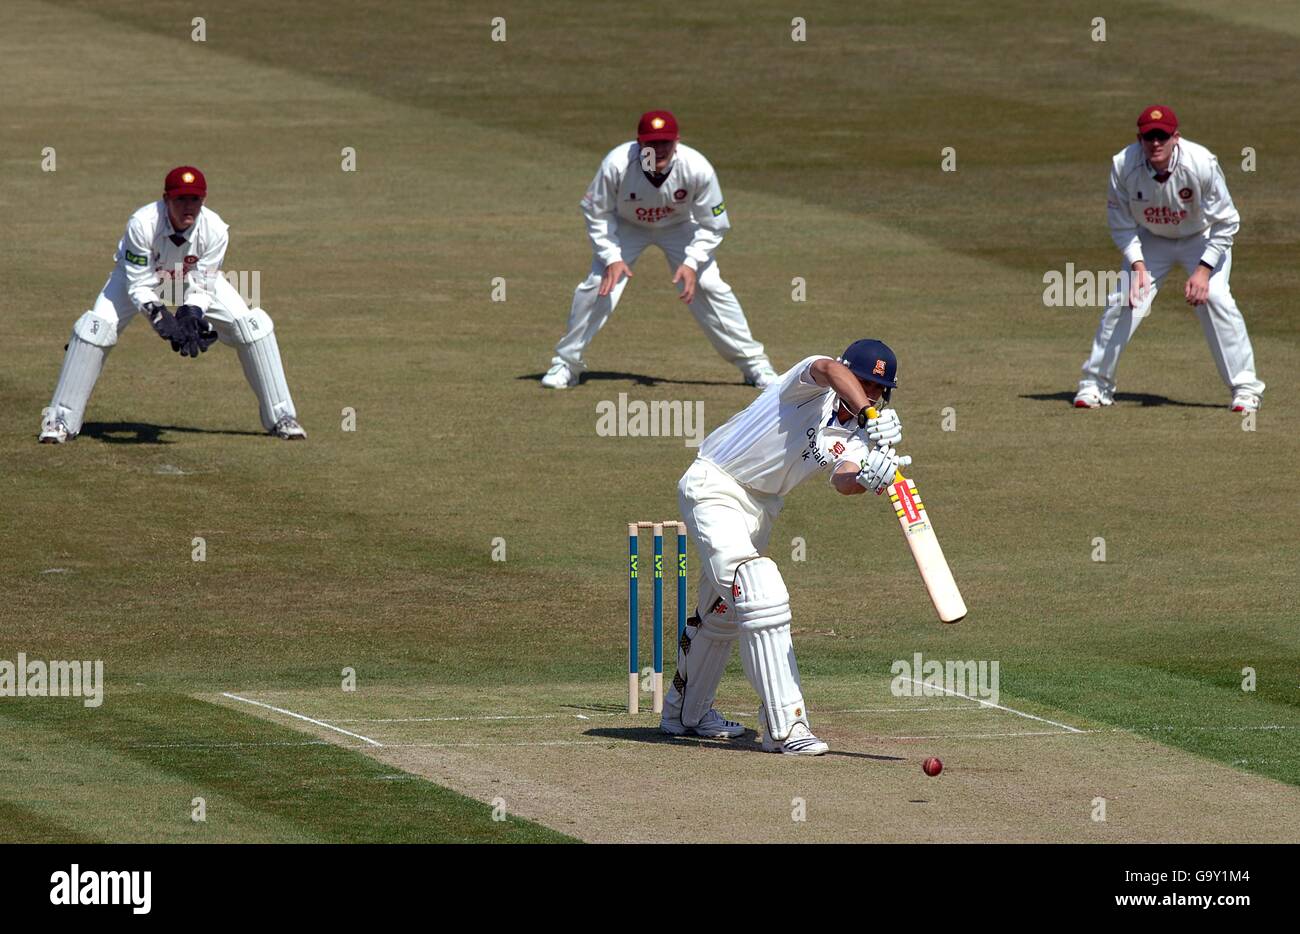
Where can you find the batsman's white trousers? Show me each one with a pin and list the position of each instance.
(715, 306)
(728, 524)
(1221, 321)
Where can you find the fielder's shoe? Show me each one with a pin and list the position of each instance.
(1090, 397)
(560, 376)
(289, 429)
(800, 742)
(1245, 402)
(762, 376)
(713, 725)
(54, 431)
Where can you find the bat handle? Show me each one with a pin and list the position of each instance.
(872, 413)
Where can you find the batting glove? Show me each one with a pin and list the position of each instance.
(885, 430)
(879, 468)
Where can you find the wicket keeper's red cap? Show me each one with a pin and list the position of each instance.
(1157, 117)
(185, 180)
(655, 125)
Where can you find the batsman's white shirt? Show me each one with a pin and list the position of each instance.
(621, 194)
(147, 253)
(785, 435)
(1193, 201)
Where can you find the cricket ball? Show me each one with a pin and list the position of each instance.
(932, 766)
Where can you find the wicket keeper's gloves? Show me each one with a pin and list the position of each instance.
(164, 323)
(198, 334)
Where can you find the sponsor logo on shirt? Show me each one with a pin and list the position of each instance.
(719, 208)
(653, 215)
(814, 451)
(136, 259)
(1163, 215)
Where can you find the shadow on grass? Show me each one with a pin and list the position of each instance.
(639, 379)
(1143, 399)
(144, 433)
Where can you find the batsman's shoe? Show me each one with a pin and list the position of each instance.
(713, 725)
(560, 376)
(54, 431)
(289, 429)
(800, 742)
(1245, 402)
(1090, 397)
(761, 377)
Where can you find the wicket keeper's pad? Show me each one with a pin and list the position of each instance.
(762, 607)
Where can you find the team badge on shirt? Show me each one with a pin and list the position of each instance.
(679, 194)
(1185, 194)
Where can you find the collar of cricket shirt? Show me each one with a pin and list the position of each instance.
(1169, 169)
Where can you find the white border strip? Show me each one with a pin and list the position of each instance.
(1018, 713)
(290, 713)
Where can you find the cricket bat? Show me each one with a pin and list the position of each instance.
(920, 537)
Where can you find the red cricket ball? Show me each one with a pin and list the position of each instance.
(932, 766)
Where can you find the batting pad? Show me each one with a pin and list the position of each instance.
(702, 659)
(762, 606)
(82, 365)
(263, 369)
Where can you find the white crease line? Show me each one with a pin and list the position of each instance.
(566, 716)
(991, 735)
(822, 713)
(308, 742)
(443, 720)
(1018, 713)
(290, 713)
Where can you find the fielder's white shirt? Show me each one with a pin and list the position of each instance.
(146, 254)
(622, 194)
(1193, 200)
(786, 435)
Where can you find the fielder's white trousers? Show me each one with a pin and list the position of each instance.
(715, 306)
(1221, 321)
(95, 333)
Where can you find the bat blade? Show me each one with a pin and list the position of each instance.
(924, 544)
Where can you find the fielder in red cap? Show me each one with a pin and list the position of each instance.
(1169, 206)
(655, 190)
(172, 251)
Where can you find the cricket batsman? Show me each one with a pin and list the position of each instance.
(812, 421)
(655, 190)
(1169, 205)
(177, 245)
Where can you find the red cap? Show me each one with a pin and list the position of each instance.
(1158, 117)
(655, 125)
(185, 180)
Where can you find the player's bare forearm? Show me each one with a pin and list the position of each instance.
(845, 480)
(833, 375)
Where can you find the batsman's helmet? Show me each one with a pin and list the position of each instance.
(873, 361)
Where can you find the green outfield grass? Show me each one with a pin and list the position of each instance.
(373, 549)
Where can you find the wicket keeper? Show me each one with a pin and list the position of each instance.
(176, 242)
